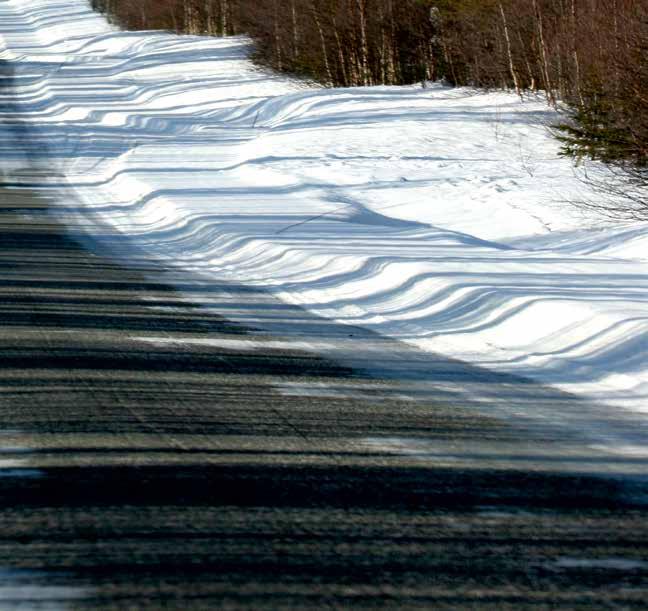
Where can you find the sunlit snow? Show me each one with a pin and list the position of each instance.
(438, 216)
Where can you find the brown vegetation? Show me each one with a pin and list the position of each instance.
(590, 53)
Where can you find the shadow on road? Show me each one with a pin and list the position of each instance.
(68, 284)
(169, 439)
(154, 450)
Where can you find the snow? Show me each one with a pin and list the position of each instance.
(437, 216)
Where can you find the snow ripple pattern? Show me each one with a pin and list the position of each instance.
(436, 215)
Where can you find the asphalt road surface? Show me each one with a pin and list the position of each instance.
(213, 447)
(171, 442)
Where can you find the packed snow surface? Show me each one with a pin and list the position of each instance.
(435, 215)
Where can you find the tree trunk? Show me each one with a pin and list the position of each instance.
(509, 50)
(210, 26)
(224, 17)
(551, 98)
(295, 30)
(363, 52)
(277, 38)
(190, 18)
(574, 42)
(322, 37)
(341, 56)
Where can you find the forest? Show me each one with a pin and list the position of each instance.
(589, 54)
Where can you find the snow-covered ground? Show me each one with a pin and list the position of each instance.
(438, 216)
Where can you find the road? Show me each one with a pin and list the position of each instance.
(172, 442)
(164, 448)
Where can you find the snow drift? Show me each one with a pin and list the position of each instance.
(438, 216)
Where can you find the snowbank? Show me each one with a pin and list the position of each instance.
(438, 216)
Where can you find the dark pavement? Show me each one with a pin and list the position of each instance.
(172, 442)
(166, 449)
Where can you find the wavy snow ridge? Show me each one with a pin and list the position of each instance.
(436, 216)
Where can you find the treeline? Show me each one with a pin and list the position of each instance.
(338, 42)
(591, 54)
